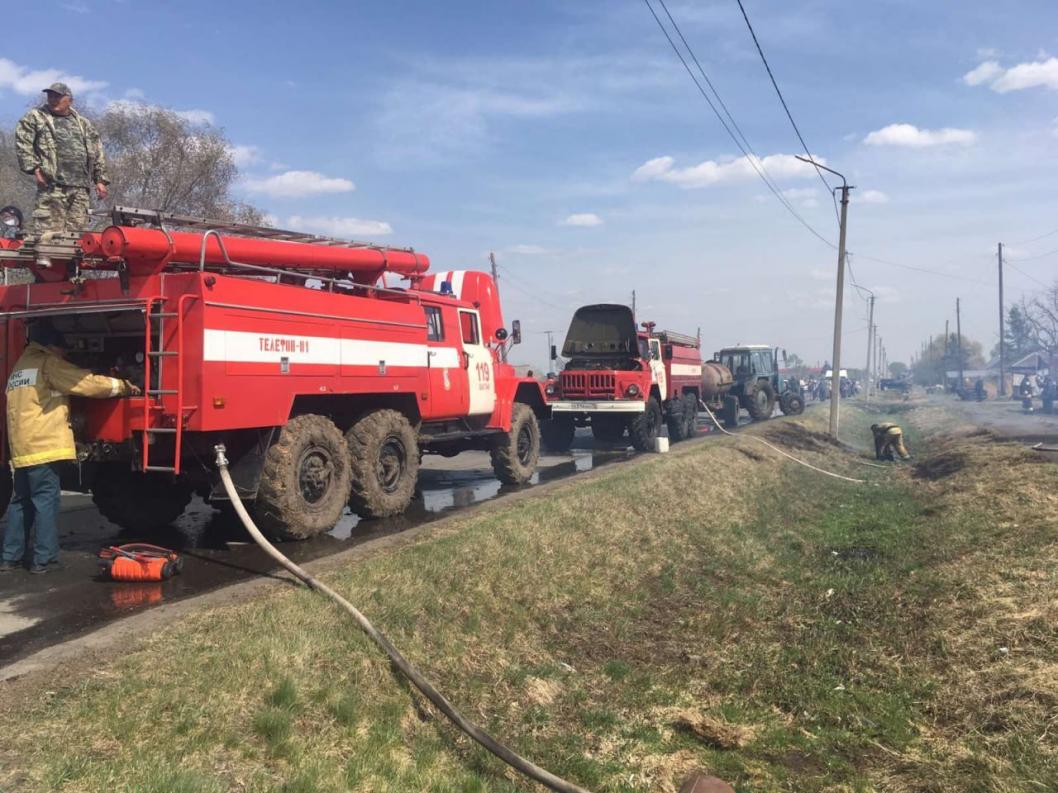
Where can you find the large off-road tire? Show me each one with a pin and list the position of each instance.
(138, 502)
(676, 420)
(384, 460)
(304, 481)
(516, 453)
(760, 401)
(7, 487)
(690, 413)
(791, 404)
(557, 434)
(646, 426)
(729, 414)
(608, 429)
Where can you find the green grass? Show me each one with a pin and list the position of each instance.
(811, 628)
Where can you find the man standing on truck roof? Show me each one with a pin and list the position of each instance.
(61, 150)
(40, 439)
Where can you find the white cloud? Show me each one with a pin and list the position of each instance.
(886, 294)
(582, 219)
(1029, 75)
(710, 172)
(1041, 73)
(244, 155)
(28, 82)
(195, 116)
(984, 73)
(912, 136)
(297, 184)
(77, 6)
(527, 250)
(340, 226)
(821, 275)
(871, 197)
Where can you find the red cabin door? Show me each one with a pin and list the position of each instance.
(449, 396)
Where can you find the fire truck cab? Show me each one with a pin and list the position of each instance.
(325, 384)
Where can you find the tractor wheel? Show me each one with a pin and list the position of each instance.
(516, 453)
(7, 487)
(557, 434)
(729, 414)
(138, 502)
(384, 459)
(304, 480)
(677, 419)
(644, 428)
(608, 429)
(760, 402)
(791, 404)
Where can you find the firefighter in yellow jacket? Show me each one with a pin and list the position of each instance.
(888, 437)
(40, 438)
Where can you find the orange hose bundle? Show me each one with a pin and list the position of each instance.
(139, 562)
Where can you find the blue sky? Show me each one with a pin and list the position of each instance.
(566, 137)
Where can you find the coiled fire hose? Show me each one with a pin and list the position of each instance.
(507, 755)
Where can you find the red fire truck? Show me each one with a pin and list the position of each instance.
(620, 378)
(325, 384)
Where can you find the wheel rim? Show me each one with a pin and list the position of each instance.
(762, 399)
(315, 474)
(392, 464)
(524, 444)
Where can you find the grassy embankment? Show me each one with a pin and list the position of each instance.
(717, 607)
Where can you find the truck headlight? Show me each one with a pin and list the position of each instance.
(549, 389)
(632, 390)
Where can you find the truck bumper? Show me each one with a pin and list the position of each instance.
(604, 406)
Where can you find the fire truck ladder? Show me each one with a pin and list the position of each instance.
(154, 397)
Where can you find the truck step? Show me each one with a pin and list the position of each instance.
(163, 430)
(164, 468)
(161, 391)
(162, 353)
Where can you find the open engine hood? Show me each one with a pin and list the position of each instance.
(601, 329)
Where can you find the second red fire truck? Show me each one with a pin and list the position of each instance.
(623, 379)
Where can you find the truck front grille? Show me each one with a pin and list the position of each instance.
(588, 385)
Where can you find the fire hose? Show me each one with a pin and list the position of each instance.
(777, 449)
(504, 753)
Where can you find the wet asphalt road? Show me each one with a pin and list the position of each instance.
(38, 611)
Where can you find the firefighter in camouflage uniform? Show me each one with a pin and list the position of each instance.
(61, 150)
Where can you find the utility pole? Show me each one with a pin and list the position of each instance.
(1002, 343)
(958, 340)
(550, 347)
(835, 380)
(867, 366)
(633, 305)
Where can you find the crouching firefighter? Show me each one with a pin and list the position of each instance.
(889, 438)
(40, 438)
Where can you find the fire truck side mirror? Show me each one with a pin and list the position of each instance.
(554, 353)
(516, 331)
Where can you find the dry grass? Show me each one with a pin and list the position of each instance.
(699, 610)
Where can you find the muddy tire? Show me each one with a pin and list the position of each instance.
(384, 460)
(516, 453)
(690, 414)
(557, 434)
(729, 414)
(608, 429)
(791, 404)
(646, 426)
(138, 502)
(677, 419)
(304, 480)
(760, 402)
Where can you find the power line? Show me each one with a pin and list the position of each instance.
(786, 107)
(1030, 277)
(1032, 258)
(756, 162)
(1037, 239)
(922, 269)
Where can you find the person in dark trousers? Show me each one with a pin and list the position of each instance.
(41, 440)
